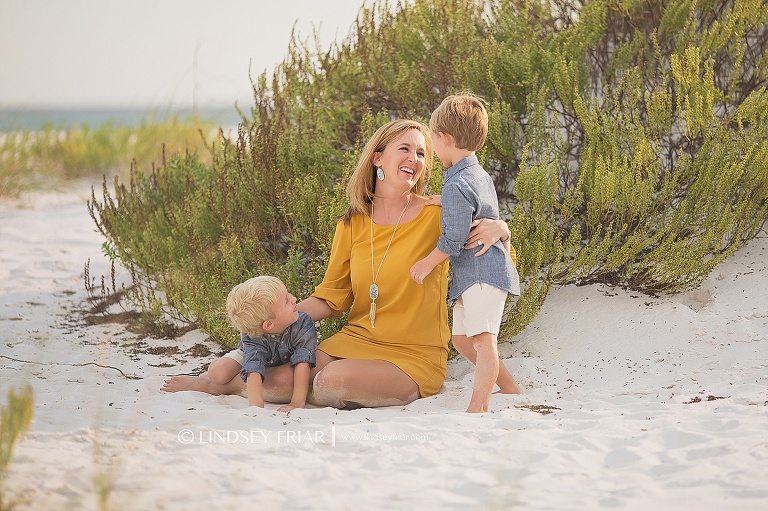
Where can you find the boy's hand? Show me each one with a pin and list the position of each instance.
(420, 270)
(300, 387)
(253, 388)
(434, 200)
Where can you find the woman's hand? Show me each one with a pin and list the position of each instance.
(485, 232)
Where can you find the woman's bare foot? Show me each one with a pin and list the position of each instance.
(184, 382)
(203, 383)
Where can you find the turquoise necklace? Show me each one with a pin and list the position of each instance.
(374, 290)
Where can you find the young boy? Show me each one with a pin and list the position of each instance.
(459, 127)
(272, 333)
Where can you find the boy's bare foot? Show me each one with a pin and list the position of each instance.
(511, 389)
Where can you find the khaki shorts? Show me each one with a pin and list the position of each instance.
(236, 355)
(479, 309)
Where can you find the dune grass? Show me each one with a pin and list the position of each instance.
(33, 159)
(15, 418)
(626, 142)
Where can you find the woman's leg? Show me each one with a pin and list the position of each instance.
(354, 383)
(203, 383)
(277, 388)
(278, 381)
(222, 377)
(341, 383)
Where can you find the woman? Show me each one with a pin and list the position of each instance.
(395, 346)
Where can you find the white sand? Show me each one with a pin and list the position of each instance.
(629, 378)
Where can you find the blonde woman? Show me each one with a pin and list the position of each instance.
(394, 349)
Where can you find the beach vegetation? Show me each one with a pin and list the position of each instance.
(626, 142)
(105, 471)
(44, 158)
(15, 418)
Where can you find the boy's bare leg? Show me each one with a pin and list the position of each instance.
(223, 369)
(486, 371)
(354, 383)
(505, 380)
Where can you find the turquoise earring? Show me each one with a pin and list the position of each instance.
(380, 173)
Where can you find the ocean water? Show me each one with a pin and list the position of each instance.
(35, 119)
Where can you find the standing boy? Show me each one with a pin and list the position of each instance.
(459, 127)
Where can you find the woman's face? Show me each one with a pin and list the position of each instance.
(402, 160)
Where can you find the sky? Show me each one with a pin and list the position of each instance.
(152, 53)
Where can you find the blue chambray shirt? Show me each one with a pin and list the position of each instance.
(468, 194)
(297, 343)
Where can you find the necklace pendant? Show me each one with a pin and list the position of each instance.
(372, 314)
(374, 293)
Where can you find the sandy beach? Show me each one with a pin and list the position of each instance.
(631, 402)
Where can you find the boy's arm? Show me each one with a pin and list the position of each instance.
(253, 387)
(300, 387)
(304, 339)
(455, 224)
(421, 269)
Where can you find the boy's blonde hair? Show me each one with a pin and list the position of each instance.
(362, 183)
(462, 116)
(252, 302)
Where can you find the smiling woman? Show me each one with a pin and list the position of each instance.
(394, 348)
(406, 346)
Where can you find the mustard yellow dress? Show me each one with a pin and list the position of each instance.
(411, 326)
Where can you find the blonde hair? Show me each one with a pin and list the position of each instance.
(251, 303)
(362, 183)
(464, 117)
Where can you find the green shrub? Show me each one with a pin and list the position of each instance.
(626, 142)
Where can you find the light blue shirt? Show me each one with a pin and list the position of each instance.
(297, 343)
(468, 194)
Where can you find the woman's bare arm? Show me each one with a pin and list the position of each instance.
(317, 308)
(488, 231)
